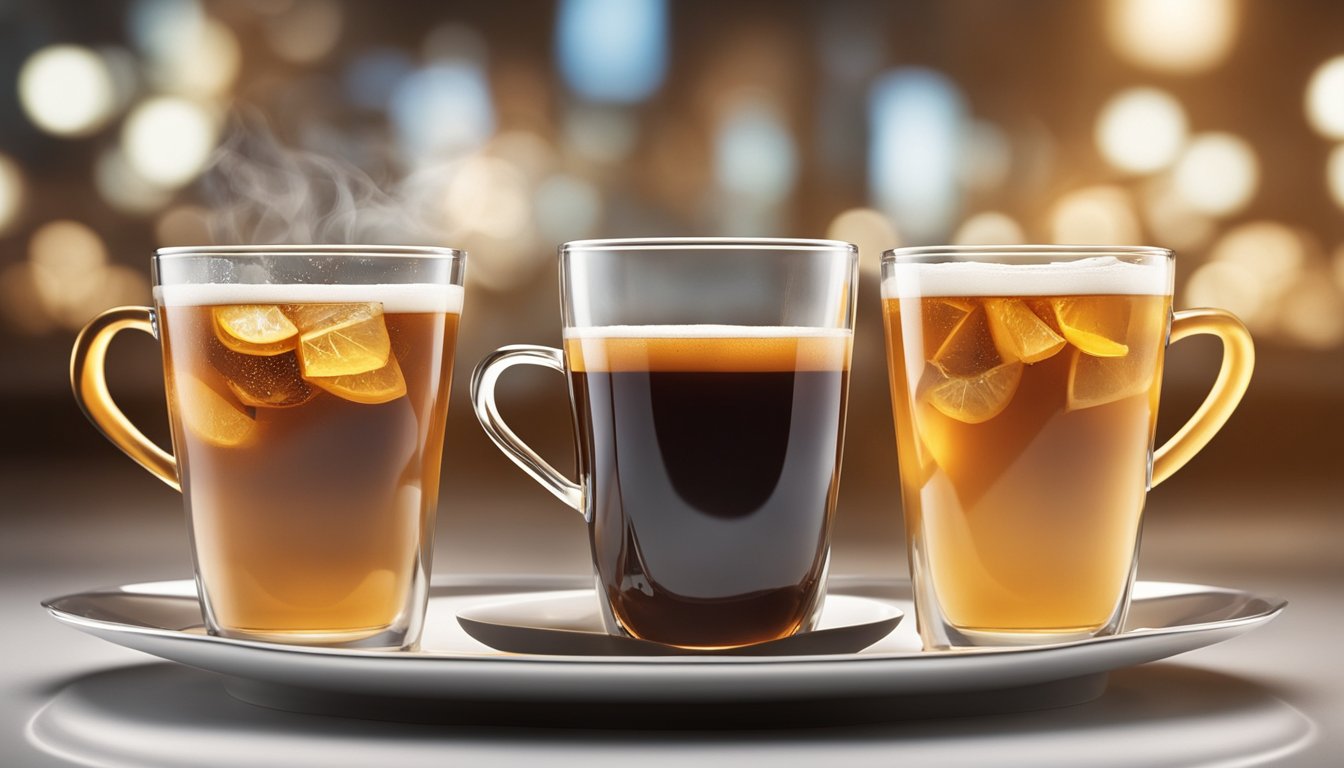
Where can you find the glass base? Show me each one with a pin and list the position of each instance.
(939, 634)
(373, 638)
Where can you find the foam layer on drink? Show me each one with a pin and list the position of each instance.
(707, 348)
(395, 298)
(1101, 275)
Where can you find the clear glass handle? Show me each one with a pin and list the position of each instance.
(1233, 378)
(89, 381)
(483, 381)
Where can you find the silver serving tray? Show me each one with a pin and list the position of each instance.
(454, 677)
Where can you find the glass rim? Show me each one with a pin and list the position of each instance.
(1010, 253)
(708, 243)
(392, 251)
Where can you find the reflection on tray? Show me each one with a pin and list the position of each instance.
(569, 623)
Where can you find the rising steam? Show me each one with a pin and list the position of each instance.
(260, 192)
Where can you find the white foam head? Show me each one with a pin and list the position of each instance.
(395, 297)
(702, 332)
(1099, 275)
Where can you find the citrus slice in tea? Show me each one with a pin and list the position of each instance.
(340, 339)
(212, 416)
(969, 348)
(1019, 334)
(941, 319)
(371, 387)
(976, 398)
(254, 329)
(268, 382)
(1097, 326)
(1097, 381)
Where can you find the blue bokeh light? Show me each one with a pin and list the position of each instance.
(443, 109)
(916, 121)
(754, 155)
(612, 51)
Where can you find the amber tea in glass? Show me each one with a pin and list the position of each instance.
(1025, 387)
(307, 424)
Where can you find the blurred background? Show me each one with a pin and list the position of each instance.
(1213, 127)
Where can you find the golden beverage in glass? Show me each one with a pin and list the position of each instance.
(307, 424)
(1025, 389)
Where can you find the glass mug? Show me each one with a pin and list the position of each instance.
(708, 381)
(1025, 385)
(307, 395)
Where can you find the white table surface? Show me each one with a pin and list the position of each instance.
(1273, 697)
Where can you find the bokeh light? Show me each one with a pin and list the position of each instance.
(185, 50)
(1172, 220)
(915, 123)
(1141, 130)
(12, 193)
(305, 31)
(1228, 286)
(123, 188)
(1314, 317)
(1325, 98)
(1183, 36)
(871, 231)
(1100, 215)
(168, 140)
(1217, 173)
(1272, 252)
(67, 90)
(1270, 255)
(1334, 174)
(67, 279)
(754, 155)
(989, 228)
(612, 51)
(490, 196)
(488, 207)
(443, 110)
(157, 27)
(67, 259)
(205, 63)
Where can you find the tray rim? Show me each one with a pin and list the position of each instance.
(185, 589)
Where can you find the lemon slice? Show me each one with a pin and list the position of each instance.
(371, 387)
(941, 317)
(1097, 381)
(978, 398)
(254, 329)
(341, 339)
(1094, 324)
(969, 348)
(266, 382)
(1019, 334)
(211, 416)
